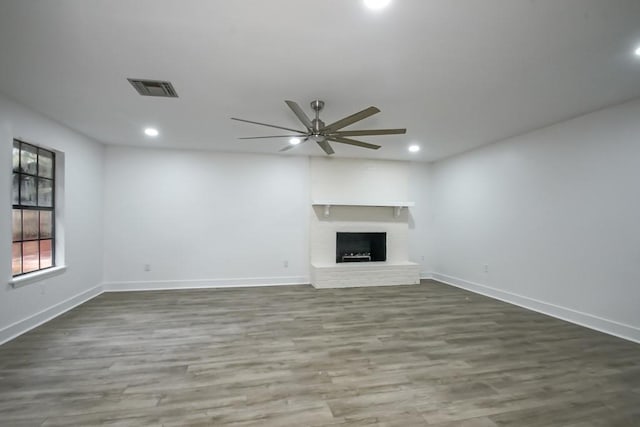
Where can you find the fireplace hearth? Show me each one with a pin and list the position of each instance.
(361, 247)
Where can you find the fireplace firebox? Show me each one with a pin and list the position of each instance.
(361, 247)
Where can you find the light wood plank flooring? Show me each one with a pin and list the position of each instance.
(296, 356)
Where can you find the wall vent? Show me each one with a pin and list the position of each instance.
(154, 88)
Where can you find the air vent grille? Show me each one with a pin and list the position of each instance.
(154, 88)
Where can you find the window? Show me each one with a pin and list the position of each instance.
(33, 208)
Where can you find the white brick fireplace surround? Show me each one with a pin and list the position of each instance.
(360, 196)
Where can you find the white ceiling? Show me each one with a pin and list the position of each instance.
(456, 74)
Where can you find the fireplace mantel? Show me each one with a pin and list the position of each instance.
(397, 206)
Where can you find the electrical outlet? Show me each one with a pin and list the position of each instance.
(486, 268)
(422, 258)
(286, 264)
(147, 267)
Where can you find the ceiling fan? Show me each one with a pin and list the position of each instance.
(322, 134)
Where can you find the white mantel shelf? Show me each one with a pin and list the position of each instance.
(397, 206)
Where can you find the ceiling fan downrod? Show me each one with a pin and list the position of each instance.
(318, 124)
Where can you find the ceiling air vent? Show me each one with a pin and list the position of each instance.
(154, 88)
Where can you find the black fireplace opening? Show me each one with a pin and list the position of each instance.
(361, 247)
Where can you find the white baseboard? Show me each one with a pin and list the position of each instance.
(20, 327)
(590, 321)
(203, 284)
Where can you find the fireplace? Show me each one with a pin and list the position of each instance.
(361, 247)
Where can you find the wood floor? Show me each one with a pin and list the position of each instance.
(296, 356)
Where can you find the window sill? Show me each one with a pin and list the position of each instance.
(37, 276)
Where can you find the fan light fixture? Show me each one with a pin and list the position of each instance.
(376, 4)
(414, 148)
(151, 132)
(295, 141)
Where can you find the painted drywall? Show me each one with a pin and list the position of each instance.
(22, 307)
(200, 219)
(421, 234)
(553, 215)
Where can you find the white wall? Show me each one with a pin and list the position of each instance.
(204, 219)
(421, 234)
(554, 215)
(25, 306)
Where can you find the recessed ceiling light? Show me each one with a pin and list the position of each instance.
(414, 148)
(638, 51)
(151, 132)
(376, 4)
(294, 141)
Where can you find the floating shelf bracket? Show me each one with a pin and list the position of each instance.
(327, 210)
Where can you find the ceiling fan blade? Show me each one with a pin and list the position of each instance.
(306, 121)
(268, 125)
(286, 147)
(326, 147)
(361, 115)
(354, 142)
(290, 146)
(370, 132)
(272, 136)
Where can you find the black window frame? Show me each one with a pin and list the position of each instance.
(22, 207)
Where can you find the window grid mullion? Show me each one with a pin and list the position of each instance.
(37, 208)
